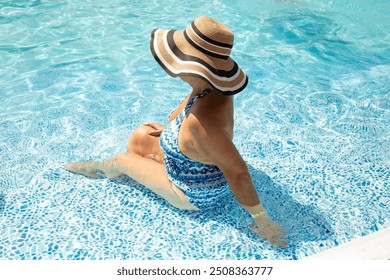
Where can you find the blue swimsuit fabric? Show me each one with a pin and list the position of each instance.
(204, 184)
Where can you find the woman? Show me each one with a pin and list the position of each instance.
(192, 162)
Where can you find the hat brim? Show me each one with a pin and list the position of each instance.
(179, 58)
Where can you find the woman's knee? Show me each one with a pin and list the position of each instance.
(136, 138)
(140, 140)
(142, 132)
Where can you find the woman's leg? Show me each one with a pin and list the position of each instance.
(142, 163)
(142, 141)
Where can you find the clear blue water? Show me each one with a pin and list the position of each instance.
(77, 77)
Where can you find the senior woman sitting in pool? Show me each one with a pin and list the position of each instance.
(192, 162)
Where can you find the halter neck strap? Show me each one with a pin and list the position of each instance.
(204, 93)
(200, 95)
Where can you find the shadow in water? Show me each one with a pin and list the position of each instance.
(302, 223)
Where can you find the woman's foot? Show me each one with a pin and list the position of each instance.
(89, 168)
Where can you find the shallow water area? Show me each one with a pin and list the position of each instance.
(313, 126)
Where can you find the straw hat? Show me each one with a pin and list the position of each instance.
(202, 50)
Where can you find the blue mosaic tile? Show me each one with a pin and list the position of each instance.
(313, 132)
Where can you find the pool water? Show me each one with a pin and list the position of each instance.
(313, 125)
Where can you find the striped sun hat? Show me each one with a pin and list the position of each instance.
(202, 50)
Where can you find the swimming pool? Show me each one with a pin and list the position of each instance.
(313, 125)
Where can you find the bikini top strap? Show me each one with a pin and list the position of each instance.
(204, 93)
(200, 95)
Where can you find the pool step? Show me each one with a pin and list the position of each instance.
(375, 246)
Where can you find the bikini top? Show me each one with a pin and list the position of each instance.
(181, 170)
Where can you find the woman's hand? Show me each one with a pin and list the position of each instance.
(269, 230)
(157, 128)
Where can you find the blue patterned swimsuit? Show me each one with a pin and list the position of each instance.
(203, 184)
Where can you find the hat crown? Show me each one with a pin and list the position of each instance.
(210, 36)
(214, 30)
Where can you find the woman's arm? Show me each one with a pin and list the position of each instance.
(220, 150)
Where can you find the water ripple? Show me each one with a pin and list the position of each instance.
(312, 126)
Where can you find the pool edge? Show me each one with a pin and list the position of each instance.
(374, 246)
